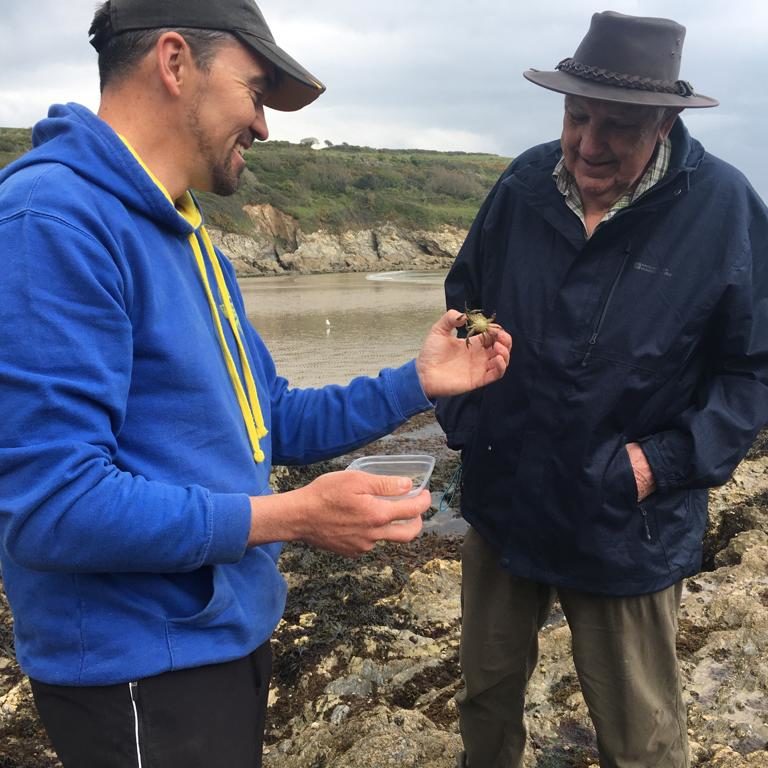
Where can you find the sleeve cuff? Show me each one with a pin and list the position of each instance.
(665, 479)
(408, 392)
(230, 515)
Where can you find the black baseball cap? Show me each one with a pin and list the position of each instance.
(295, 86)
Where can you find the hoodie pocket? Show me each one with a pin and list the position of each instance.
(221, 599)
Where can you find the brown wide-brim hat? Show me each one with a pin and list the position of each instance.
(632, 59)
(295, 87)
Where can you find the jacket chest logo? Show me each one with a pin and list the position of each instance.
(650, 269)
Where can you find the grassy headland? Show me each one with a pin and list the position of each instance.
(343, 187)
(13, 142)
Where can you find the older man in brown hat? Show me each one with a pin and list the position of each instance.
(629, 264)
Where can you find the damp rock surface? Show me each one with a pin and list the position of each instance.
(390, 631)
(366, 656)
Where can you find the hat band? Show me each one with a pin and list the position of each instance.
(606, 77)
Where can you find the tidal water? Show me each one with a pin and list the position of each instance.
(327, 329)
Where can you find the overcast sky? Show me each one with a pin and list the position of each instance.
(431, 74)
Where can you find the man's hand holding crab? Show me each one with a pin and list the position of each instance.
(448, 365)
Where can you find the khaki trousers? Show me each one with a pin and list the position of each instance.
(623, 650)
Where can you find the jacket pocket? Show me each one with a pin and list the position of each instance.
(458, 417)
(671, 524)
(619, 486)
(471, 483)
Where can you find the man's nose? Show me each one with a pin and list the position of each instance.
(592, 141)
(259, 125)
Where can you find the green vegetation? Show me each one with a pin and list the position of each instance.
(13, 142)
(344, 187)
(347, 187)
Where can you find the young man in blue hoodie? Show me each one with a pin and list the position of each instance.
(141, 413)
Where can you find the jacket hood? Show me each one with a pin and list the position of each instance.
(75, 137)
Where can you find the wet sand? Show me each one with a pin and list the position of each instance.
(327, 329)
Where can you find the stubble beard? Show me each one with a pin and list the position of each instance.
(224, 179)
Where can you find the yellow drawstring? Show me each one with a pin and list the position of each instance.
(249, 404)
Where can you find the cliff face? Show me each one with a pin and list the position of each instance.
(279, 246)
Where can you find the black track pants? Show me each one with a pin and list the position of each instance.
(205, 717)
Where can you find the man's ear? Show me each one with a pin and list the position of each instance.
(174, 62)
(668, 121)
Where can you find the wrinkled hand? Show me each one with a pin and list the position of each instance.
(341, 512)
(448, 366)
(644, 480)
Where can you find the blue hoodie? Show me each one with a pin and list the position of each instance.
(125, 463)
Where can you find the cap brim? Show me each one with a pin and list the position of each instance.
(562, 82)
(295, 87)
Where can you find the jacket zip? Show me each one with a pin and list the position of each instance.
(134, 689)
(645, 522)
(632, 209)
(604, 311)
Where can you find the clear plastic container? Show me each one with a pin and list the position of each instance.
(416, 466)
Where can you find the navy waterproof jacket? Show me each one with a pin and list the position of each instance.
(655, 329)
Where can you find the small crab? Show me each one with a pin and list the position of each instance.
(480, 325)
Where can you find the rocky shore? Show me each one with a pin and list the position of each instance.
(366, 658)
(277, 246)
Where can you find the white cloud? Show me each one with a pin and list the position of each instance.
(434, 73)
(24, 101)
(366, 131)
